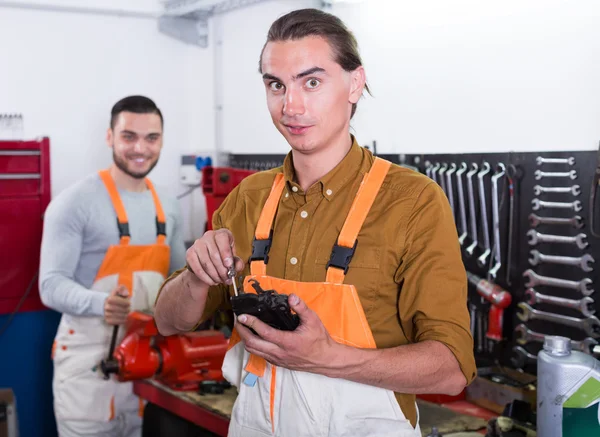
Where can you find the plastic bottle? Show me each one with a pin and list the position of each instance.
(568, 391)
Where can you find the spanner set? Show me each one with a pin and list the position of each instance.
(451, 178)
(557, 243)
(541, 251)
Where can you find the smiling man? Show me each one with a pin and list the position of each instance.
(109, 242)
(366, 250)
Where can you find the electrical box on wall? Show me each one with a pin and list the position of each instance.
(191, 168)
(188, 173)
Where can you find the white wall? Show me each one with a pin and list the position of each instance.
(247, 125)
(460, 76)
(64, 71)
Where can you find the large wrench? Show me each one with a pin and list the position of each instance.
(536, 220)
(450, 192)
(535, 238)
(461, 203)
(442, 178)
(428, 167)
(584, 305)
(496, 220)
(472, 209)
(584, 262)
(521, 357)
(524, 336)
(481, 261)
(535, 279)
(539, 204)
(434, 170)
(591, 325)
(575, 190)
(567, 174)
(570, 160)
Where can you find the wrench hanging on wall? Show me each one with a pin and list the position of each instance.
(461, 203)
(472, 209)
(428, 168)
(434, 170)
(521, 357)
(575, 221)
(450, 192)
(441, 173)
(525, 335)
(481, 261)
(590, 325)
(511, 177)
(593, 189)
(583, 285)
(496, 220)
(541, 160)
(584, 262)
(585, 305)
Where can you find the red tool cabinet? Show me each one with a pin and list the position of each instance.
(24, 196)
(217, 183)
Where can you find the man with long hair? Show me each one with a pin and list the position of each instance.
(367, 252)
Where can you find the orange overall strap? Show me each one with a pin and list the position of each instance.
(367, 192)
(262, 236)
(117, 204)
(161, 227)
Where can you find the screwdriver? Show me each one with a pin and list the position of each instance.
(231, 275)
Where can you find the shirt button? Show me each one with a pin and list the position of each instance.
(329, 192)
(287, 195)
(295, 189)
(303, 214)
(294, 260)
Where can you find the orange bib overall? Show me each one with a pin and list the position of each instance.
(274, 401)
(80, 391)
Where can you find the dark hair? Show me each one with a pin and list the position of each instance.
(135, 104)
(313, 22)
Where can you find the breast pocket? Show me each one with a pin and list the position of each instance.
(364, 271)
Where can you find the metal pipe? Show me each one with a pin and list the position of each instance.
(80, 10)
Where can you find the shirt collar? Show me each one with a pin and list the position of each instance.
(347, 170)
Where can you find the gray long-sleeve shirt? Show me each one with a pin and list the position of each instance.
(79, 226)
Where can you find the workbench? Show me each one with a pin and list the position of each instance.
(186, 413)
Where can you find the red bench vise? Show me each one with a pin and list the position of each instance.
(181, 362)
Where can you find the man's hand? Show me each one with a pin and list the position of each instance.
(212, 255)
(309, 348)
(116, 306)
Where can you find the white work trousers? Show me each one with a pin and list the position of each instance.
(123, 425)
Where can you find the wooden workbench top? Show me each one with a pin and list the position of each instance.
(221, 404)
(445, 419)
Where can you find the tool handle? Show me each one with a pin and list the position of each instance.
(110, 365)
(490, 291)
(113, 342)
(496, 316)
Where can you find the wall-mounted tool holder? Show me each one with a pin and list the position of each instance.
(523, 223)
(529, 214)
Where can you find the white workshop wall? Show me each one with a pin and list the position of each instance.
(64, 71)
(246, 125)
(460, 76)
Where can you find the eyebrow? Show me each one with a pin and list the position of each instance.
(305, 73)
(129, 132)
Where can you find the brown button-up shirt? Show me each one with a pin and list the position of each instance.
(407, 267)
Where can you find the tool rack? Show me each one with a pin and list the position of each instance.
(519, 345)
